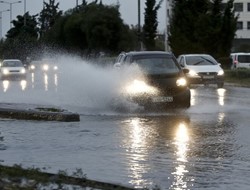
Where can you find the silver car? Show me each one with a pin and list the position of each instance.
(12, 69)
(202, 69)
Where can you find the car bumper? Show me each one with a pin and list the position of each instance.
(13, 76)
(206, 80)
(180, 99)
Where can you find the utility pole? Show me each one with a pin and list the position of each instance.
(139, 24)
(1, 22)
(24, 22)
(10, 8)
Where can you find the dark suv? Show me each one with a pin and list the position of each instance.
(164, 83)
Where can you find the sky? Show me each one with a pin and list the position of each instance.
(128, 10)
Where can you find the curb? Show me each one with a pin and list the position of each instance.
(36, 112)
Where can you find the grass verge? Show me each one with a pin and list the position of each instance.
(17, 178)
(238, 77)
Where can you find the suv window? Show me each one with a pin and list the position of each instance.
(156, 64)
(244, 58)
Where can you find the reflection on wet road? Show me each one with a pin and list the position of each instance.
(204, 147)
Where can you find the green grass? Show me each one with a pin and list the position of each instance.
(239, 77)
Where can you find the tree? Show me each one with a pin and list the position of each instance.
(150, 23)
(20, 30)
(187, 25)
(202, 26)
(228, 29)
(21, 38)
(49, 15)
(91, 28)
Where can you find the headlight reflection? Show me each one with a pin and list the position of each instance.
(23, 84)
(5, 85)
(138, 141)
(46, 82)
(221, 96)
(181, 142)
(193, 96)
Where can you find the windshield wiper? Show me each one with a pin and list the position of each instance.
(208, 60)
(197, 63)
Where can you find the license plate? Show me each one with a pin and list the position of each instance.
(162, 99)
(208, 77)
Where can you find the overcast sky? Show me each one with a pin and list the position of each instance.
(128, 10)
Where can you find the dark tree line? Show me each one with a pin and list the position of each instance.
(196, 26)
(202, 26)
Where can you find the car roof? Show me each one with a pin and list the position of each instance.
(11, 60)
(196, 54)
(147, 52)
(240, 53)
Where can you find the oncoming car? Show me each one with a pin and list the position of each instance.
(203, 69)
(163, 85)
(44, 65)
(12, 69)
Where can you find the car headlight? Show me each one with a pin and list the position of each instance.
(221, 72)
(23, 71)
(55, 68)
(181, 82)
(45, 67)
(5, 71)
(32, 67)
(192, 73)
(140, 87)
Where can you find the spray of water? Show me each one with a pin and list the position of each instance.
(77, 84)
(91, 85)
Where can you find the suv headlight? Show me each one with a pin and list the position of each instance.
(181, 82)
(140, 87)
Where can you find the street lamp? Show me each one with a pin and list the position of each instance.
(10, 8)
(139, 24)
(1, 22)
(24, 22)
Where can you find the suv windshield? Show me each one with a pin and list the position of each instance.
(156, 64)
(200, 60)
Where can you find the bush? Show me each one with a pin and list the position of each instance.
(225, 62)
(238, 73)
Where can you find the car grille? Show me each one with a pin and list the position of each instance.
(14, 71)
(207, 73)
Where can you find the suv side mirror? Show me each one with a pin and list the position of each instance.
(185, 71)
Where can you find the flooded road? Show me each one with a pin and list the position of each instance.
(204, 147)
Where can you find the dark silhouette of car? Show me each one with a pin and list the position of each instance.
(163, 84)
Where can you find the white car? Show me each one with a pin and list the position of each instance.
(240, 60)
(12, 69)
(203, 69)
